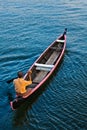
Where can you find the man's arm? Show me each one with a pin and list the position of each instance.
(29, 74)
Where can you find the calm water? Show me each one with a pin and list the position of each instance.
(27, 27)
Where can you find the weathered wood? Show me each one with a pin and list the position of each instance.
(51, 61)
(40, 76)
(53, 58)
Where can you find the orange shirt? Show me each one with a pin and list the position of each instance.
(20, 85)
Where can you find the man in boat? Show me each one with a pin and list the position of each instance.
(20, 84)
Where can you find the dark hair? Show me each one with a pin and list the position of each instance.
(20, 74)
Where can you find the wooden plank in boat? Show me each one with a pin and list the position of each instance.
(40, 76)
(51, 60)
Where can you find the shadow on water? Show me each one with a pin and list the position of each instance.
(21, 113)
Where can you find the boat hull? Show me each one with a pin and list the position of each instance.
(43, 68)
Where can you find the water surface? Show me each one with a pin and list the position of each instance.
(26, 29)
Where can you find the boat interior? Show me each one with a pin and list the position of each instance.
(46, 62)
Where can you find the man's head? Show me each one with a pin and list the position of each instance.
(20, 74)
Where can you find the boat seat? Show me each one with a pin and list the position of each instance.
(62, 41)
(44, 67)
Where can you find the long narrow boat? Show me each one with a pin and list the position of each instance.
(43, 68)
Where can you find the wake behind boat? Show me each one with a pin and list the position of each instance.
(43, 68)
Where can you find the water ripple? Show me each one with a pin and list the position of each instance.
(26, 29)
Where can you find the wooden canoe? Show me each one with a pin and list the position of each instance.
(43, 67)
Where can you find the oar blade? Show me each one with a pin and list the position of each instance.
(11, 80)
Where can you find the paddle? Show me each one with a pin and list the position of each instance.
(9, 81)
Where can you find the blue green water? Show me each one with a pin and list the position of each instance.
(27, 27)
